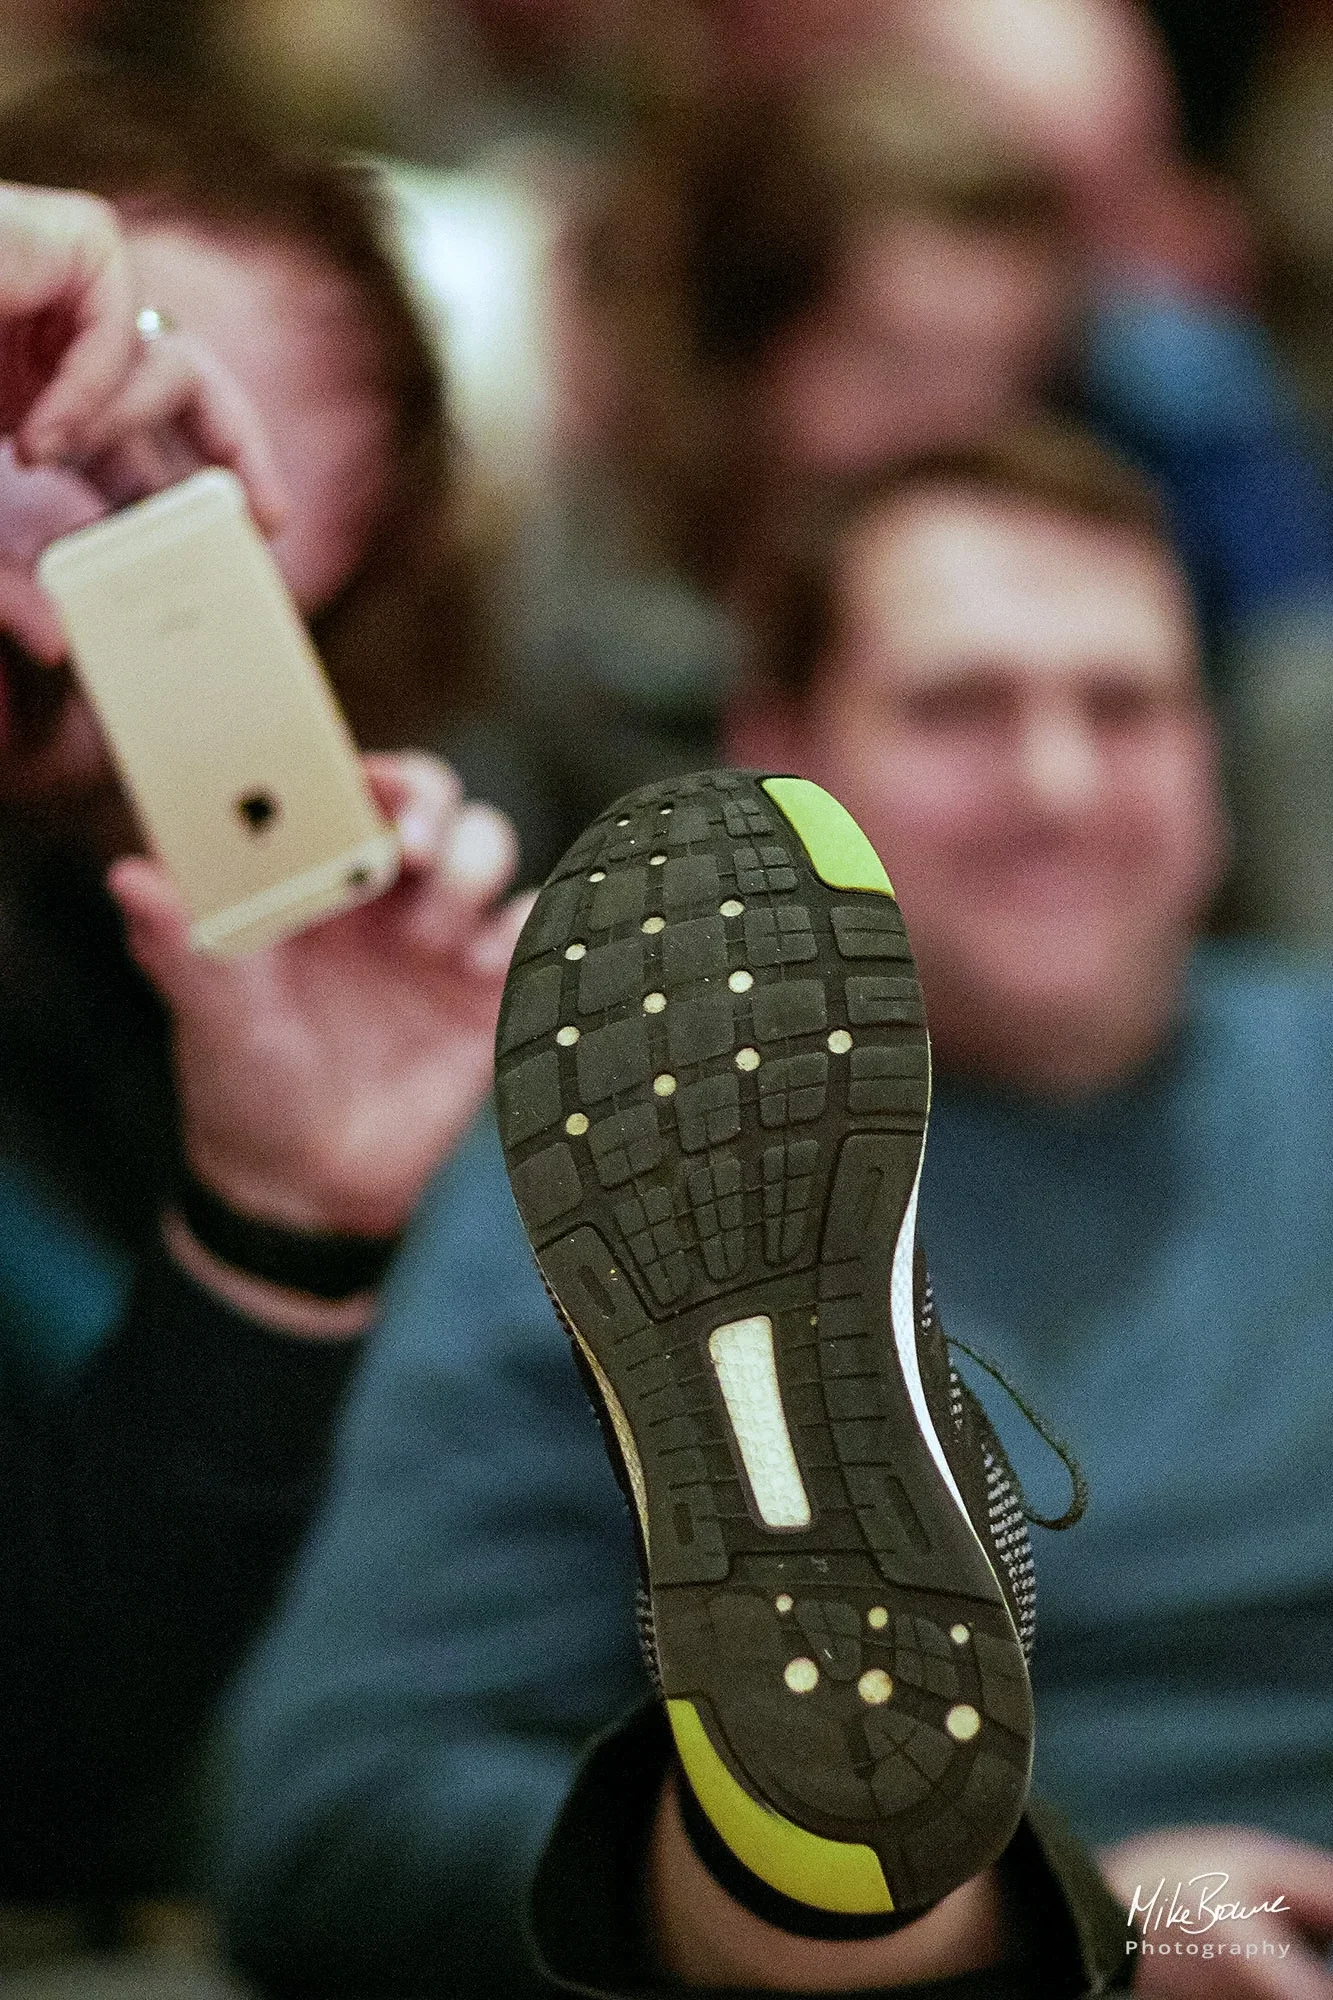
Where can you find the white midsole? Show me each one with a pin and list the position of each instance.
(902, 1308)
(902, 1311)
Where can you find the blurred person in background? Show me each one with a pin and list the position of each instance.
(887, 245)
(282, 262)
(942, 272)
(1284, 674)
(39, 35)
(1118, 281)
(272, 257)
(989, 653)
(167, 1402)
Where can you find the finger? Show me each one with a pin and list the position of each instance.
(178, 384)
(227, 430)
(157, 926)
(28, 615)
(90, 270)
(421, 795)
(493, 947)
(481, 858)
(437, 912)
(457, 859)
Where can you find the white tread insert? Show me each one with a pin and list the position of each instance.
(747, 1374)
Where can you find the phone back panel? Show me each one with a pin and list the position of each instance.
(226, 732)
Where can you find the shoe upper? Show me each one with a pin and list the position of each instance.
(986, 1480)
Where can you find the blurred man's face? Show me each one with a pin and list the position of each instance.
(293, 334)
(934, 331)
(1012, 711)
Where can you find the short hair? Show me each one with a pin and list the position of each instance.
(402, 634)
(723, 227)
(1049, 465)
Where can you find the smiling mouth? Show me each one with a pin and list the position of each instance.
(32, 699)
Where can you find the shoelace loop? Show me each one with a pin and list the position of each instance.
(1077, 1482)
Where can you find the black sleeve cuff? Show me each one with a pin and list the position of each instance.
(223, 1396)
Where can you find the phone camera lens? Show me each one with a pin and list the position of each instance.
(258, 810)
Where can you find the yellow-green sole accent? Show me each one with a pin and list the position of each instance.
(836, 1875)
(839, 852)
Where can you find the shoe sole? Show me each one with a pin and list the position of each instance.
(713, 1082)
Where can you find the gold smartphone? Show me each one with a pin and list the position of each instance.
(227, 735)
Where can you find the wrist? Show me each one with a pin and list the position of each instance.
(321, 1263)
(307, 1196)
(277, 1307)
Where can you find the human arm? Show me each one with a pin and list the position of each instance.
(320, 1080)
(165, 1489)
(163, 1495)
(152, 1502)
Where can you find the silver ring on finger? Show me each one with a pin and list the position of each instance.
(150, 323)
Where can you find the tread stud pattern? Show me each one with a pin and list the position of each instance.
(621, 899)
(889, 1080)
(717, 1201)
(552, 921)
(793, 1090)
(655, 1242)
(777, 1190)
(612, 1059)
(690, 884)
(626, 1144)
(876, 999)
(687, 823)
(708, 1112)
(833, 1631)
(788, 1189)
(695, 951)
(528, 1098)
(870, 930)
(700, 1029)
(534, 1009)
(793, 1007)
(744, 818)
(611, 975)
(548, 1185)
(783, 935)
(761, 870)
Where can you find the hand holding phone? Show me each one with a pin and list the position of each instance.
(321, 1081)
(222, 724)
(80, 387)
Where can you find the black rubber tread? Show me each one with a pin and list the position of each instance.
(778, 1190)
